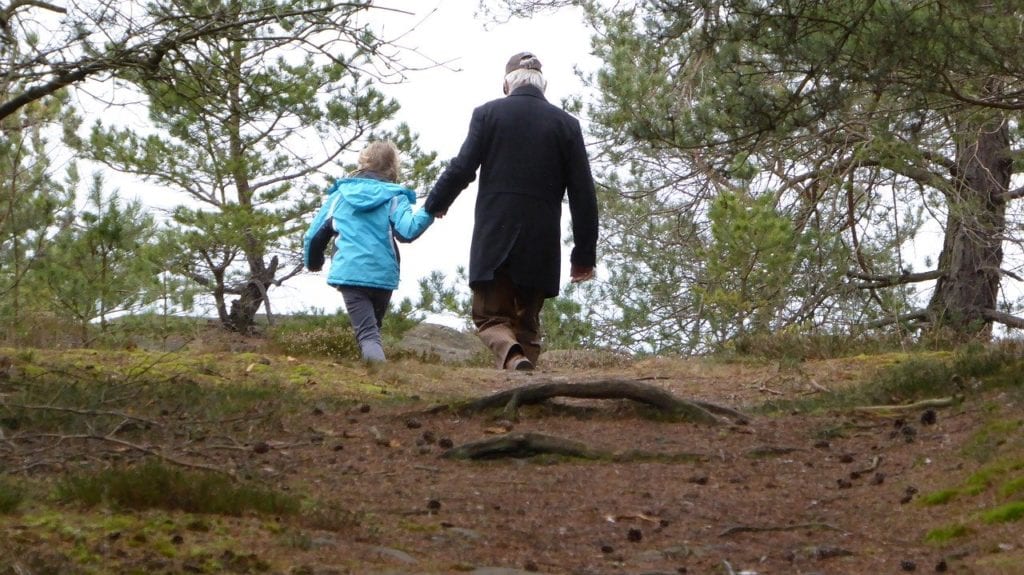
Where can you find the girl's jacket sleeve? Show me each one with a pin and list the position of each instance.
(407, 224)
(319, 235)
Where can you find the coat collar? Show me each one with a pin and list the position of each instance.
(529, 90)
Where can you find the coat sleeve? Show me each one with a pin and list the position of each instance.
(406, 223)
(318, 236)
(582, 204)
(461, 170)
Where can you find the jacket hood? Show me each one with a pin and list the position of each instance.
(368, 193)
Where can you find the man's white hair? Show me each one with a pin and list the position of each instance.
(525, 77)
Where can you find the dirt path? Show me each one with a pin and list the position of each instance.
(836, 493)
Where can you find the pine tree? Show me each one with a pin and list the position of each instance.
(244, 120)
(33, 205)
(106, 263)
(863, 119)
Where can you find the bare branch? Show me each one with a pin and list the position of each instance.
(1003, 318)
(880, 281)
(919, 315)
(986, 103)
(146, 43)
(1012, 195)
(1010, 274)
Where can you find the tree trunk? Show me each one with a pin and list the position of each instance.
(244, 308)
(972, 251)
(254, 294)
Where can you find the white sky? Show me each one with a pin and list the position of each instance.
(437, 105)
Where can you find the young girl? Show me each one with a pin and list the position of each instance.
(366, 213)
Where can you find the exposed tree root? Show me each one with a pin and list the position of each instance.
(529, 444)
(909, 407)
(686, 410)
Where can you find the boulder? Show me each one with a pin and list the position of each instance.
(448, 345)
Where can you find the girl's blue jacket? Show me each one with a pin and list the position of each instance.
(366, 215)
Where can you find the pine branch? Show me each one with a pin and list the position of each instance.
(871, 281)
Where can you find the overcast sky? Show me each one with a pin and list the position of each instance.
(437, 105)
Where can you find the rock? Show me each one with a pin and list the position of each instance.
(448, 345)
(396, 554)
(465, 533)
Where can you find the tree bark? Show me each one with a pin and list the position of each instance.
(253, 296)
(972, 250)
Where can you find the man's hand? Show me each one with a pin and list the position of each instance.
(439, 215)
(579, 274)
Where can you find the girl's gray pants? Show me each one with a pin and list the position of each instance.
(366, 308)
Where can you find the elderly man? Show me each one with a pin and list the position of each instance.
(530, 153)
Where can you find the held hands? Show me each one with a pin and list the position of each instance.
(579, 274)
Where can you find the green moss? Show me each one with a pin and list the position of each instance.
(154, 485)
(1004, 513)
(303, 371)
(11, 496)
(939, 497)
(944, 534)
(81, 554)
(1012, 487)
(164, 547)
(985, 443)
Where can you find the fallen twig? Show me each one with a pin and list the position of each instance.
(818, 386)
(765, 389)
(875, 461)
(89, 412)
(766, 528)
(141, 448)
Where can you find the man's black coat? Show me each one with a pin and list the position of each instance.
(530, 153)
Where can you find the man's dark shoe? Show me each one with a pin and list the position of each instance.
(519, 363)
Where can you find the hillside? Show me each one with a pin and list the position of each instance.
(266, 463)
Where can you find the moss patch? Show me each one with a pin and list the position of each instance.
(154, 485)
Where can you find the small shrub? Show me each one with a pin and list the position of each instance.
(795, 346)
(316, 336)
(918, 377)
(909, 379)
(11, 496)
(155, 485)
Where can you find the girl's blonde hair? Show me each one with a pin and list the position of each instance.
(380, 157)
